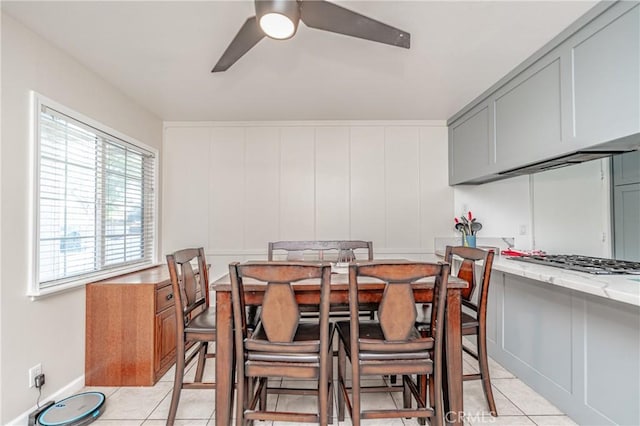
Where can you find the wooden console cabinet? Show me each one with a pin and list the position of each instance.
(130, 329)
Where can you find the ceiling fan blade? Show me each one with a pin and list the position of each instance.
(248, 36)
(327, 16)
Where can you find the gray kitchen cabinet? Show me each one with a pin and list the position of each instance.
(580, 92)
(626, 200)
(577, 350)
(606, 78)
(626, 168)
(626, 206)
(469, 145)
(528, 115)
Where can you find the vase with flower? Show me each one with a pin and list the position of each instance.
(468, 226)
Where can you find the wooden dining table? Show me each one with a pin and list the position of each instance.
(308, 292)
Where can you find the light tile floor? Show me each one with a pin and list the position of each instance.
(517, 404)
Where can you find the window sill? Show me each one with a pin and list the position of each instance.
(39, 293)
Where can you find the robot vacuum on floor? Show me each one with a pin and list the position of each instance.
(76, 410)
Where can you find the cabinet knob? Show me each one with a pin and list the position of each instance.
(169, 296)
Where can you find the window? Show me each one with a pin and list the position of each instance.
(95, 200)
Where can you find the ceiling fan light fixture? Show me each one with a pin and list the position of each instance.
(278, 18)
(277, 26)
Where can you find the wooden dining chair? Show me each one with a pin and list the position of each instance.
(474, 314)
(337, 250)
(392, 345)
(195, 319)
(281, 345)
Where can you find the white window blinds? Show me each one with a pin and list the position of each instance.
(96, 201)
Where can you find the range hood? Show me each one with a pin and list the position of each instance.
(557, 162)
(575, 157)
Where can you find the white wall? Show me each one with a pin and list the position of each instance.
(559, 211)
(250, 183)
(50, 330)
(503, 207)
(571, 209)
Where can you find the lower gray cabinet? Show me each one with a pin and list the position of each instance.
(577, 350)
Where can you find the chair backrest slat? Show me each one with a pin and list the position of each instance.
(280, 314)
(190, 286)
(397, 311)
(467, 271)
(345, 250)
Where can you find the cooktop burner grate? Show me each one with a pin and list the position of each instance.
(591, 265)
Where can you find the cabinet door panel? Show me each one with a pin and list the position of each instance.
(165, 338)
(606, 68)
(528, 118)
(626, 168)
(469, 146)
(627, 221)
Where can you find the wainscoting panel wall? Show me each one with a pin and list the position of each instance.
(232, 187)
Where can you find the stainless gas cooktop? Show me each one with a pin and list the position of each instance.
(592, 265)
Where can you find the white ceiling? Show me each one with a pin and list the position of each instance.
(160, 54)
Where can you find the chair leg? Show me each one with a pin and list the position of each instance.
(432, 395)
(202, 356)
(426, 385)
(323, 395)
(437, 403)
(444, 387)
(263, 394)
(422, 388)
(355, 395)
(177, 384)
(242, 397)
(406, 394)
(342, 368)
(330, 390)
(484, 372)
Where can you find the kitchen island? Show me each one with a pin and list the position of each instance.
(572, 336)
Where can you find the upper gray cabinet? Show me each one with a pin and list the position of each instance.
(528, 114)
(580, 92)
(469, 144)
(626, 168)
(626, 206)
(606, 78)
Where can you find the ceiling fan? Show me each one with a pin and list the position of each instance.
(278, 19)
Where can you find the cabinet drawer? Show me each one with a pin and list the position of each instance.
(164, 298)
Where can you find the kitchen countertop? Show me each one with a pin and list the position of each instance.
(622, 288)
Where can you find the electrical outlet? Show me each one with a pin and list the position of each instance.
(523, 229)
(39, 381)
(34, 371)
